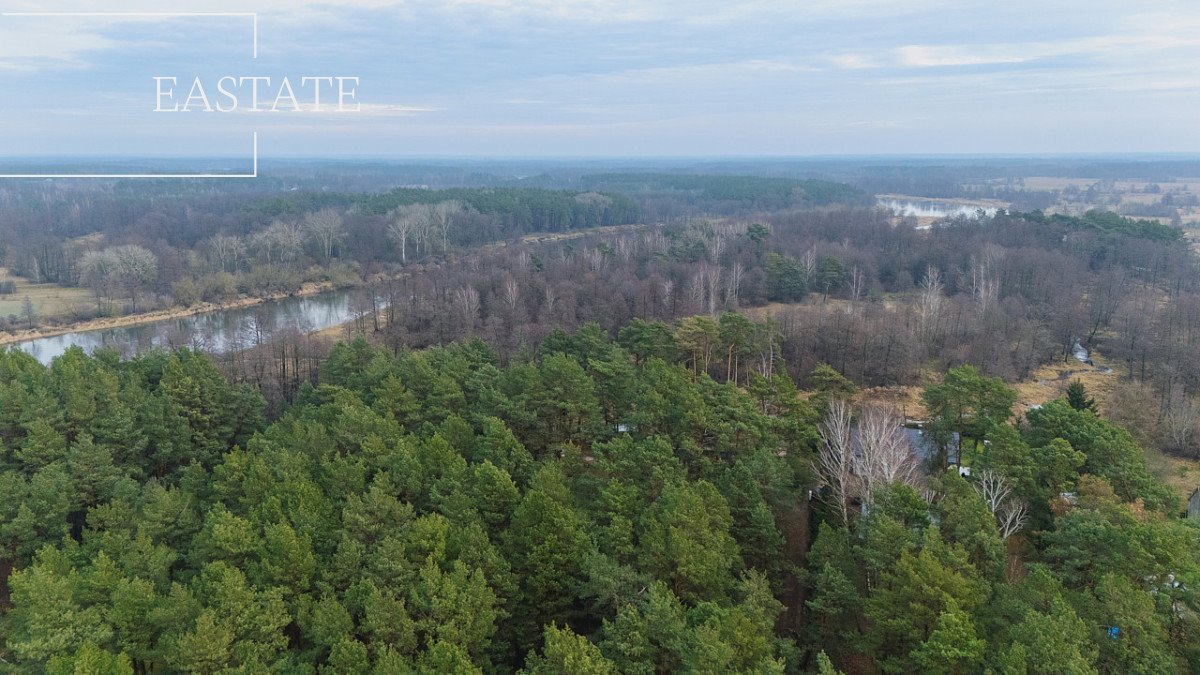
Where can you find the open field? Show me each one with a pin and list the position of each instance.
(1128, 197)
(1183, 475)
(50, 301)
(1051, 381)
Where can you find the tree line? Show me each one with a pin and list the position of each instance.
(879, 301)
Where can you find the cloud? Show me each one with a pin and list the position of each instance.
(637, 76)
(31, 47)
(1108, 47)
(931, 56)
(327, 110)
(852, 61)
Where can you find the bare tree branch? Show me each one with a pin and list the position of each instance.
(884, 455)
(835, 459)
(1011, 513)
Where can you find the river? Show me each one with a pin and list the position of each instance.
(215, 332)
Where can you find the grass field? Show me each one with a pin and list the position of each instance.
(50, 301)
(1113, 195)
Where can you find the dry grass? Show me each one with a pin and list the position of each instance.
(1051, 381)
(50, 301)
(906, 400)
(1056, 183)
(1183, 475)
(1045, 384)
(1125, 192)
(543, 237)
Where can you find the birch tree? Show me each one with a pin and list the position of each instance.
(404, 221)
(1011, 513)
(931, 300)
(442, 215)
(327, 228)
(835, 458)
(466, 301)
(884, 454)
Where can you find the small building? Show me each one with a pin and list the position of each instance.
(1193, 508)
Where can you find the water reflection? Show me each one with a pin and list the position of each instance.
(935, 209)
(215, 332)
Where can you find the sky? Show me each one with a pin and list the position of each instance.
(612, 78)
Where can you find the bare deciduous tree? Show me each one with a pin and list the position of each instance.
(287, 236)
(931, 300)
(667, 295)
(466, 300)
(442, 215)
(226, 252)
(130, 267)
(1012, 517)
(523, 262)
(28, 311)
(808, 263)
(1011, 513)
(550, 304)
(985, 277)
(1180, 418)
(858, 284)
(327, 227)
(993, 487)
(716, 248)
(594, 260)
(136, 267)
(710, 276)
(406, 220)
(884, 454)
(625, 247)
(835, 460)
(511, 294)
(733, 284)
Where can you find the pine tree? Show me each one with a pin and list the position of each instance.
(1078, 398)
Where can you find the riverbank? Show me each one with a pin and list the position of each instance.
(954, 201)
(306, 290)
(174, 312)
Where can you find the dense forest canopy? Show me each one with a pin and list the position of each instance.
(604, 507)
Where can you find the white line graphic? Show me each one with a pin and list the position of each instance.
(254, 20)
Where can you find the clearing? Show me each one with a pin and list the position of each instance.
(50, 301)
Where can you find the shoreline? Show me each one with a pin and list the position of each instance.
(173, 312)
(306, 290)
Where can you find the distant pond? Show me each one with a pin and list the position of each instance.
(922, 208)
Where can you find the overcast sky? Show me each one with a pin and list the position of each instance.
(443, 78)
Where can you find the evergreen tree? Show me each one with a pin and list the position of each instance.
(1078, 398)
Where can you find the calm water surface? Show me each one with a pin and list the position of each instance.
(933, 208)
(215, 332)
